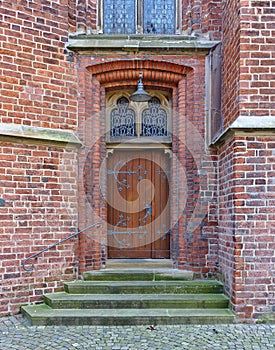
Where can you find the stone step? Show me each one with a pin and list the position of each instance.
(44, 315)
(135, 301)
(143, 287)
(139, 263)
(135, 274)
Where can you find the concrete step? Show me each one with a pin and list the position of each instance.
(137, 274)
(143, 287)
(139, 263)
(44, 315)
(135, 301)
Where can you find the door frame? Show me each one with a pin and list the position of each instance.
(131, 147)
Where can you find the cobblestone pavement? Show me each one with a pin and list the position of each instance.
(15, 333)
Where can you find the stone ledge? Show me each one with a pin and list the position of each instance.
(252, 125)
(88, 43)
(19, 133)
(244, 122)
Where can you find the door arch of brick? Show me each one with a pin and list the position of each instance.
(96, 79)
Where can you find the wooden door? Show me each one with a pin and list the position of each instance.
(138, 204)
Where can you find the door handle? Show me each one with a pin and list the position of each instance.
(148, 213)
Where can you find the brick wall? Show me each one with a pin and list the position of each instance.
(202, 17)
(254, 282)
(226, 214)
(246, 224)
(231, 62)
(38, 186)
(257, 47)
(42, 85)
(38, 84)
(38, 182)
(246, 163)
(248, 56)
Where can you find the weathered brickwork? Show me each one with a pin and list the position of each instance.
(38, 84)
(222, 198)
(38, 186)
(246, 165)
(246, 224)
(231, 62)
(257, 47)
(248, 56)
(202, 17)
(38, 183)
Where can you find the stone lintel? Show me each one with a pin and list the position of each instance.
(22, 133)
(86, 44)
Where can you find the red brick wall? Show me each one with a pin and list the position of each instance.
(226, 214)
(231, 62)
(257, 47)
(38, 186)
(38, 88)
(202, 17)
(246, 201)
(246, 224)
(38, 84)
(248, 59)
(41, 86)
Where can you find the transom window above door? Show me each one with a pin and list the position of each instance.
(129, 121)
(139, 16)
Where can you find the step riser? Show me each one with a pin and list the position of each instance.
(139, 263)
(136, 304)
(109, 289)
(173, 275)
(127, 321)
(140, 301)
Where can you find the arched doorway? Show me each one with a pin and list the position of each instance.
(138, 170)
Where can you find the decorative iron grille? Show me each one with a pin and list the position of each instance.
(123, 119)
(154, 119)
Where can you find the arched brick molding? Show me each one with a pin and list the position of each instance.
(188, 105)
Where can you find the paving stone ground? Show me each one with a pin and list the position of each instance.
(16, 333)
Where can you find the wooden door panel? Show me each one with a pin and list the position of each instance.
(138, 205)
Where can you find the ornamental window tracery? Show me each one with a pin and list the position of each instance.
(128, 120)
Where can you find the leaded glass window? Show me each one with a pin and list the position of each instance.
(139, 16)
(123, 121)
(119, 16)
(154, 119)
(159, 16)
